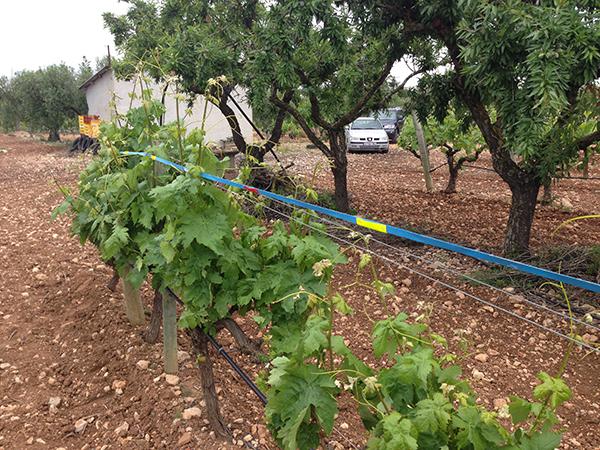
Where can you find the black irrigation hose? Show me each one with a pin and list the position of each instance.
(245, 378)
(221, 351)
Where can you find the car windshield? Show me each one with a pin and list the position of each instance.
(386, 115)
(366, 124)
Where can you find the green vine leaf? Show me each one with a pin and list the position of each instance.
(394, 432)
(555, 389)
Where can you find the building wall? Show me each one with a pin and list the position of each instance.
(100, 93)
(98, 97)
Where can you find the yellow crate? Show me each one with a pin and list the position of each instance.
(89, 126)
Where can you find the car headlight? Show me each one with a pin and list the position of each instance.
(389, 127)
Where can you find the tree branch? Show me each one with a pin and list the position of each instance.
(278, 125)
(401, 86)
(469, 158)
(588, 140)
(413, 152)
(236, 131)
(355, 112)
(315, 110)
(298, 117)
(449, 149)
(502, 162)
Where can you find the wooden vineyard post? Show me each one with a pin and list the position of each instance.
(169, 307)
(423, 152)
(133, 303)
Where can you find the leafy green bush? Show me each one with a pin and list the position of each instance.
(194, 238)
(291, 129)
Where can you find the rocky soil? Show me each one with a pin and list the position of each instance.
(75, 375)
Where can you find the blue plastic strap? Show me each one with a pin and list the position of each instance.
(395, 231)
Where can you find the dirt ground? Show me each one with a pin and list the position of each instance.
(390, 188)
(68, 357)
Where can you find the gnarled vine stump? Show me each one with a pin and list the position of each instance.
(200, 344)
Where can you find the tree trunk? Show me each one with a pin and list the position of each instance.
(112, 284)
(523, 185)
(53, 136)
(424, 153)
(520, 220)
(587, 154)
(200, 344)
(153, 330)
(234, 124)
(453, 177)
(337, 144)
(340, 178)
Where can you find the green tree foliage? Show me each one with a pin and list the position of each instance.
(196, 42)
(46, 99)
(321, 51)
(85, 71)
(286, 54)
(531, 63)
(460, 142)
(9, 115)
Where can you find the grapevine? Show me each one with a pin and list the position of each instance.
(419, 402)
(194, 239)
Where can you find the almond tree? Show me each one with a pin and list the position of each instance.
(198, 42)
(459, 141)
(522, 69)
(321, 51)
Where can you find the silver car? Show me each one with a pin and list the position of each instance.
(366, 134)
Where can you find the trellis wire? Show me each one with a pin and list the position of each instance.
(406, 252)
(424, 275)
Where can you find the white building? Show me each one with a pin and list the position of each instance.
(103, 87)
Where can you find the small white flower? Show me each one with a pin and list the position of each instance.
(371, 384)
(503, 412)
(350, 385)
(447, 388)
(320, 266)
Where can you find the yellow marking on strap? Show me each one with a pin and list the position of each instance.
(153, 157)
(381, 227)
